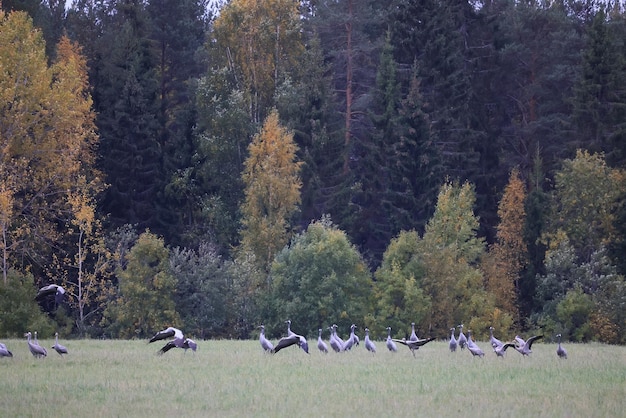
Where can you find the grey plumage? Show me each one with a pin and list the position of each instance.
(414, 345)
(413, 336)
(523, 347)
(453, 343)
(391, 346)
(187, 344)
(321, 345)
(472, 347)
(500, 350)
(37, 343)
(58, 347)
(369, 345)
(337, 337)
(289, 331)
(265, 343)
(179, 340)
(290, 340)
(4, 351)
(560, 351)
(493, 340)
(35, 349)
(51, 289)
(462, 340)
(334, 344)
(351, 341)
(169, 332)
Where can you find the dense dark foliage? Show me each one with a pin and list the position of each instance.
(387, 102)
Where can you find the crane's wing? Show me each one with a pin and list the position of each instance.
(189, 343)
(167, 347)
(162, 335)
(286, 342)
(303, 344)
(404, 342)
(530, 341)
(420, 343)
(46, 291)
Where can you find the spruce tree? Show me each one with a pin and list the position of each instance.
(127, 103)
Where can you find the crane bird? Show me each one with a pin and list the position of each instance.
(51, 289)
(413, 336)
(35, 349)
(472, 347)
(187, 344)
(414, 345)
(58, 347)
(334, 344)
(37, 343)
(290, 340)
(462, 340)
(321, 345)
(351, 341)
(265, 343)
(4, 351)
(500, 350)
(493, 340)
(453, 344)
(289, 331)
(391, 346)
(523, 347)
(560, 351)
(337, 338)
(179, 340)
(369, 345)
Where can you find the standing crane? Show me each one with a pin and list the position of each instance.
(369, 345)
(391, 346)
(453, 343)
(560, 351)
(462, 340)
(265, 343)
(35, 349)
(321, 345)
(58, 347)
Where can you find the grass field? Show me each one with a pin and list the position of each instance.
(235, 378)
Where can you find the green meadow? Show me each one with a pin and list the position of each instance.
(114, 378)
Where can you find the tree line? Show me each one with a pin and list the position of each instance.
(353, 161)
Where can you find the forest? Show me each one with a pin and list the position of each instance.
(222, 165)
